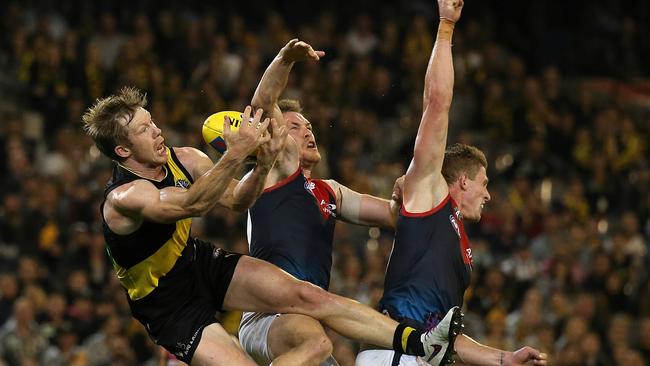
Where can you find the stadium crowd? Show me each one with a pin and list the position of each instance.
(561, 259)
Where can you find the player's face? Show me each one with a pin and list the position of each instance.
(300, 129)
(475, 196)
(147, 143)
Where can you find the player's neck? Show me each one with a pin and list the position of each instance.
(307, 168)
(152, 172)
(456, 194)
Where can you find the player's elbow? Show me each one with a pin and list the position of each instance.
(263, 99)
(235, 203)
(197, 208)
(240, 207)
(437, 98)
(437, 102)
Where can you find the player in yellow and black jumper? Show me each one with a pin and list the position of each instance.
(174, 283)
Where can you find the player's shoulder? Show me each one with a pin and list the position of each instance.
(336, 188)
(188, 153)
(193, 159)
(333, 184)
(126, 192)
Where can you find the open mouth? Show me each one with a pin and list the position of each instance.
(161, 148)
(311, 145)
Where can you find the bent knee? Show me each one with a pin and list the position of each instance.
(312, 297)
(319, 347)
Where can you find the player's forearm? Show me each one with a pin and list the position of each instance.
(206, 191)
(367, 210)
(272, 84)
(249, 188)
(474, 353)
(438, 90)
(377, 211)
(439, 79)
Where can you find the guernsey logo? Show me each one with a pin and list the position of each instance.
(183, 183)
(454, 223)
(328, 208)
(310, 186)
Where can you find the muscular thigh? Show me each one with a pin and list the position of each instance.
(290, 330)
(259, 286)
(217, 348)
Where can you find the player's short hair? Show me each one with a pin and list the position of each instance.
(290, 105)
(461, 158)
(102, 120)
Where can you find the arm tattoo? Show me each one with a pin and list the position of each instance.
(501, 359)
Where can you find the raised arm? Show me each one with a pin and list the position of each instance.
(141, 200)
(271, 87)
(276, 75)
(424, 185)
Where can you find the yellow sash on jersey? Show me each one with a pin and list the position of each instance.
(141, 279)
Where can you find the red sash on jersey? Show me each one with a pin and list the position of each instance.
(325, 197)
(457, 223)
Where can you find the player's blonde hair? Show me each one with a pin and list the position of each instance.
(102, 120)
(461, 158)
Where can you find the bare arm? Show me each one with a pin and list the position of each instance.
(240, 194)
(474, 353)
(141, 200)
(272, 85)
(364, 209)
(276, 76)
(425, 186)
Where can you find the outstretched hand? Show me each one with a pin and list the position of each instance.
(396, 197)
(268, 152)
(398, 187)
(450, 9)
(297, 50)
(251, 134)
(525, 356)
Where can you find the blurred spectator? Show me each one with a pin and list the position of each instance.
(20, 337)
(561, 254)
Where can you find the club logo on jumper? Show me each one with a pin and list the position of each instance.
(457, 212)
(183, 183)
(310, 186)
(468, 252)
(454, 223)
(328, 208)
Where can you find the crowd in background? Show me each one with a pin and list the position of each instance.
(560, 107)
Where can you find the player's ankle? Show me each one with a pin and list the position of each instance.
(407, 340)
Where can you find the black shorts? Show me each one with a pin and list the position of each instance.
(187, 298)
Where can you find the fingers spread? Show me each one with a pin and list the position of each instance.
(226, 126)
(247, 113)
(262, 126)
(266, 137)
(274, 128)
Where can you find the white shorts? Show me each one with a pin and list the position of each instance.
(253, 335)
(384, 357)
